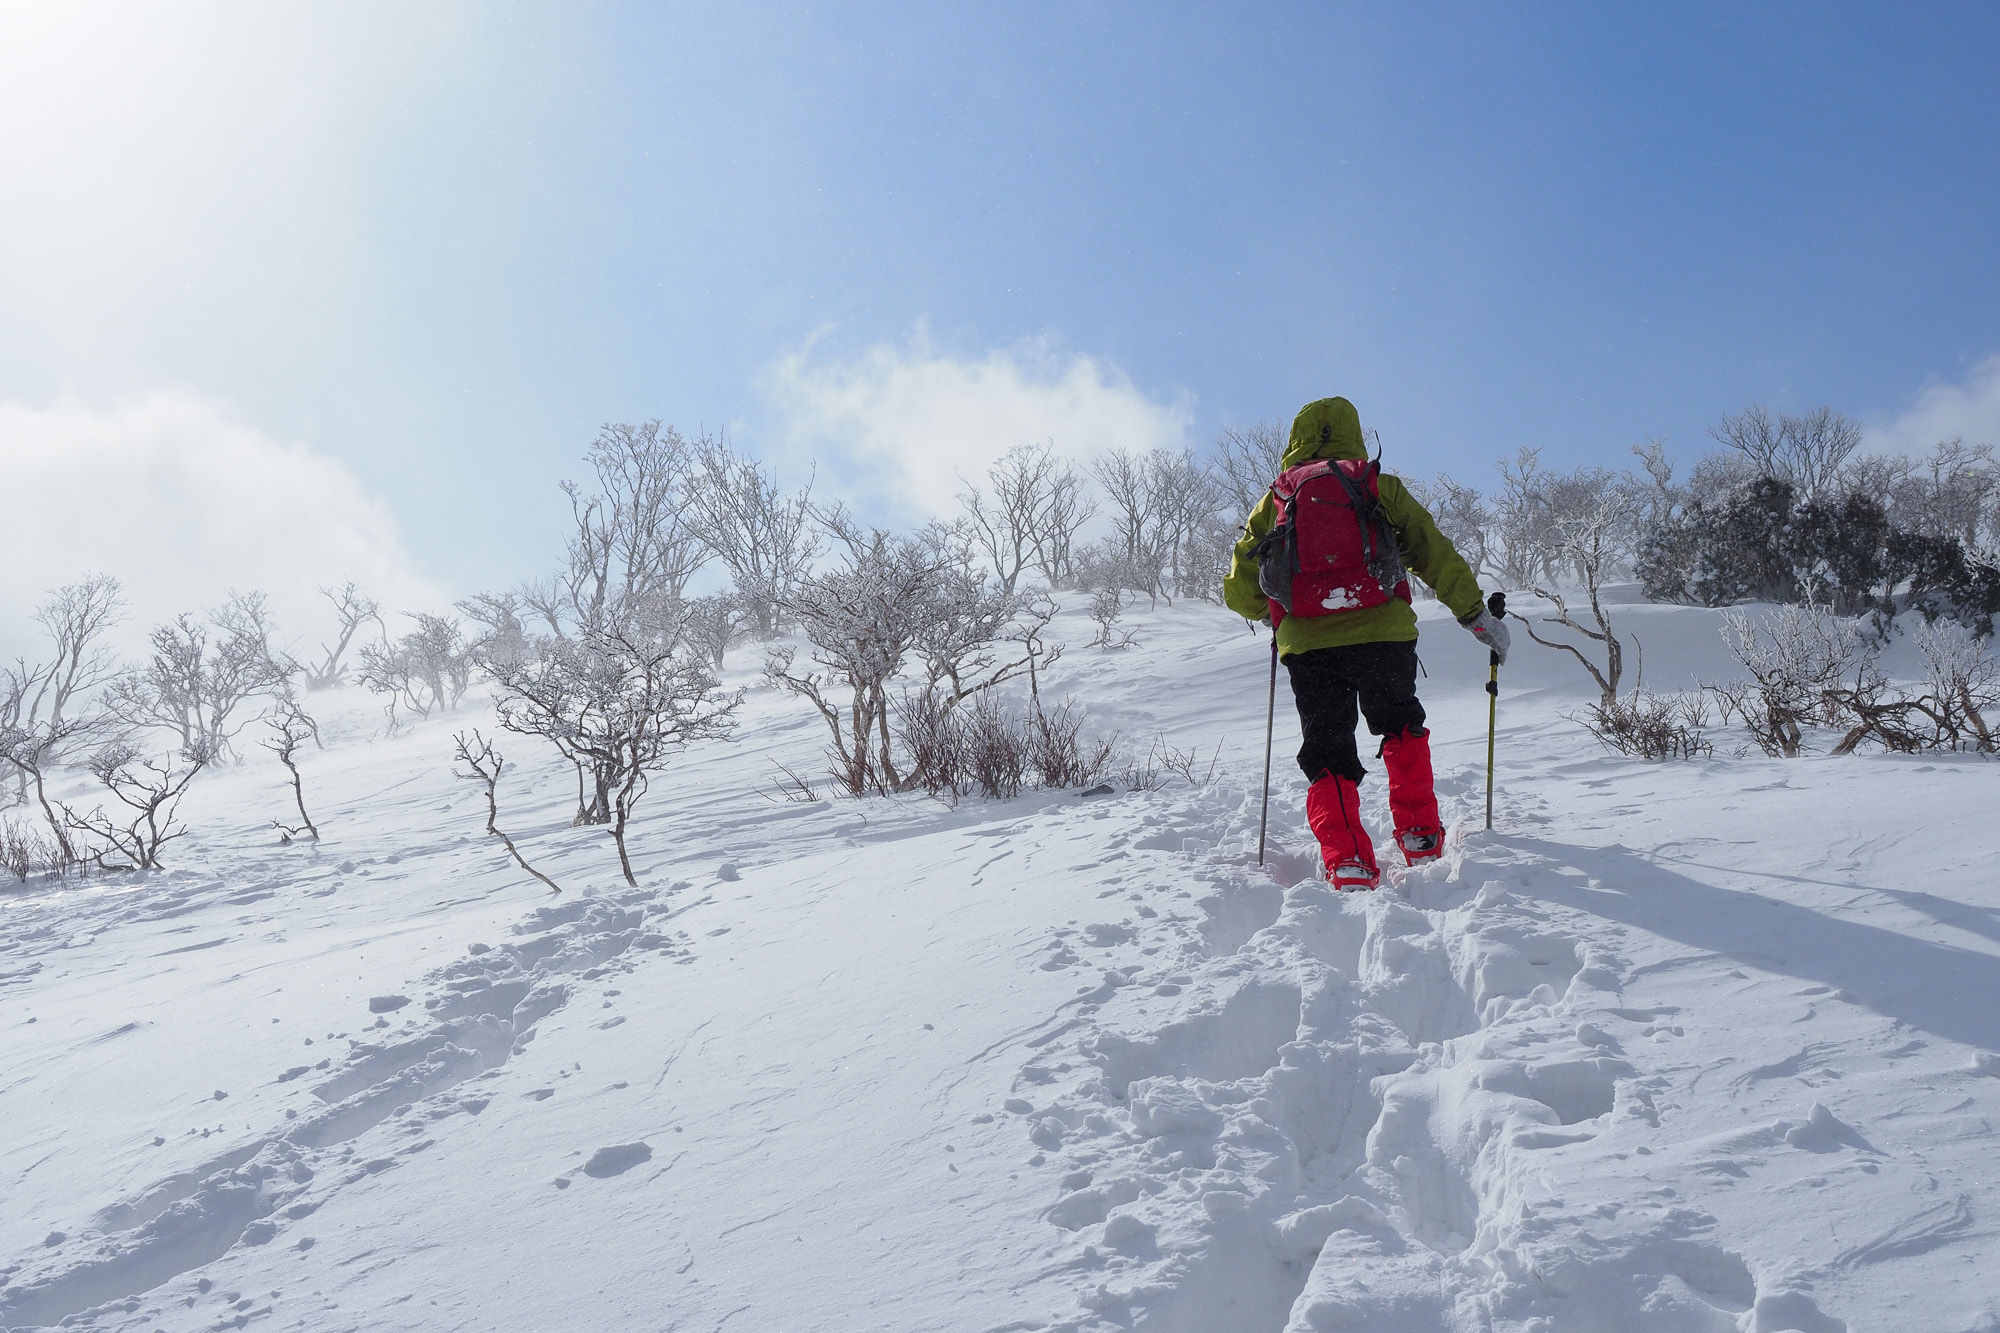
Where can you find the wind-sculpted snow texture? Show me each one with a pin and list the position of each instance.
(1703, 1047)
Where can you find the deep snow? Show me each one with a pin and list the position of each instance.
(1680, 1047)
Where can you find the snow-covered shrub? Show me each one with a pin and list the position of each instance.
(897, 602)
(1722, 547)
(1797, 660)
(1941, 581)
(1059, 754)
(1956, 708)
(997, 748)
(1653, 726)
(25, 850)
(1963, 676)
(1106, 606)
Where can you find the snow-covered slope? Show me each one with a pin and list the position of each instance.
(1686, 1047)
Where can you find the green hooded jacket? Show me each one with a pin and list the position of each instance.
(1331, 428)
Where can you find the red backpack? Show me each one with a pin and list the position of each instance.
(1332, 548)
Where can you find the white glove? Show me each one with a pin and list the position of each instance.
(1490, 630)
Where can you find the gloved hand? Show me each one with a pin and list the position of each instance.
(1490, 630)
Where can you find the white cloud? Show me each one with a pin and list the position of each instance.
(894, 427)
(180, 501)
(1969, 409)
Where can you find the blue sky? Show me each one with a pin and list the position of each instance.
(437, 245)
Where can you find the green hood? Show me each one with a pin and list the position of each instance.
(1329, 428)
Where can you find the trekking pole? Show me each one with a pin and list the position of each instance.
(1497, 605)
(1270, 717)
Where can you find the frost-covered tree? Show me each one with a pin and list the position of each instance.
(1168, 524)
(1028, 515)
(1126, 480)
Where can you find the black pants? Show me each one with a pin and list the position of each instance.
(1330, 684)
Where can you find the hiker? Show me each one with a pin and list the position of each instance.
(1333, 585)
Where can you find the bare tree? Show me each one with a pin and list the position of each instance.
(618, 702)
(1066, 507)
(764, 535)
(151, 793)
(42, 720)
(1186, 501)
(1949, 493)
(1248, 461)
(713, 623)
(1526, 554)
(1796, 660)
(501, 636)
(1589, 530)
(74, 619)
(1031, 518)
(863, 618)
(1127, 484)
(485, 766)
(1807, 450)
(354, 609)
(638, 539)
(32, 751)
(200, 675)
(1462, 516)
(1169, 535)
(1106, 565)
(291, 726)
(427, 670)
(893, 601)
(961, 642)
